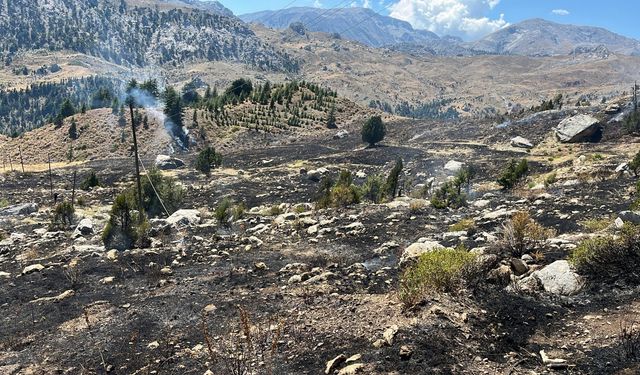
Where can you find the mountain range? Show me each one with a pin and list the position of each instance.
(359, 24)
(535, 37)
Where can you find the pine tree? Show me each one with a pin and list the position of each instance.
(73, 129)
(331, 119)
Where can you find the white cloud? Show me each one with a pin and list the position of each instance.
(464, 18)
(366, 4)
(317, 4)
(560, 12)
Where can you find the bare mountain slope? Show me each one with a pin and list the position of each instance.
(538, 37)
(359, 24)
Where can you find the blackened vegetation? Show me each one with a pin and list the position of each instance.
(126, 35)
(436, 109)
(26, 109)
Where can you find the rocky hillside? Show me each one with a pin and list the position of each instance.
(538, 37)
(134, 36)
(211, 6)
(359, 24)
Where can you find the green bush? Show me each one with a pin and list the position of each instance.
(125, 228)
(450, 193)
(223, 212)
(609, 257)
(207, 160)
(373, 189)
(168, 190)
(90, 181)
(440, 270)
(634, 165)
(341, 194)
(63, 215)
(513, 173)
(373, 131)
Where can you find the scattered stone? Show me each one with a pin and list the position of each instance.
(166, 162)
(519, 267)
(334, 363)
(352, 369)
(112, 254)
(578, 128)
(405, 352)
(166, 271)
(354, 358)
(64, 295)
(19, 210)
(313, 230)
(389, 334)
(341, 134)
(32, 268)
(210, 308)
(154, 345)
(294, 279)
(4, 275)
(521, 142)
(107, 280)
(261, 266)
(555, 363)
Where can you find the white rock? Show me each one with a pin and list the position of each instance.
(558, 278)
(32, 268)
(453, 166)
(577, 128)
(521, 142)
(184, 218)
(416, 249)
(84, 228)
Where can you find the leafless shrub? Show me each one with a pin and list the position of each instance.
(251, 349)
(629, 338)
(522, 233)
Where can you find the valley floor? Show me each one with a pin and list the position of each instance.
(305, 285)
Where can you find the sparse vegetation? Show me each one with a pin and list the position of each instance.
(440, 270)
(467, 225)
(223, 212)
(514, 172)
(596, 225)
(610, 257)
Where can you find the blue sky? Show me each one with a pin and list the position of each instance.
(471, 19)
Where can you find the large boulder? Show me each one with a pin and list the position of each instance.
(521, 142)
(19, 210)
(166, 162)
(413, 251)
(84, 228)
(558, 278)
(580, 128)
(184, 218)
(630, 217)
(453, 166)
